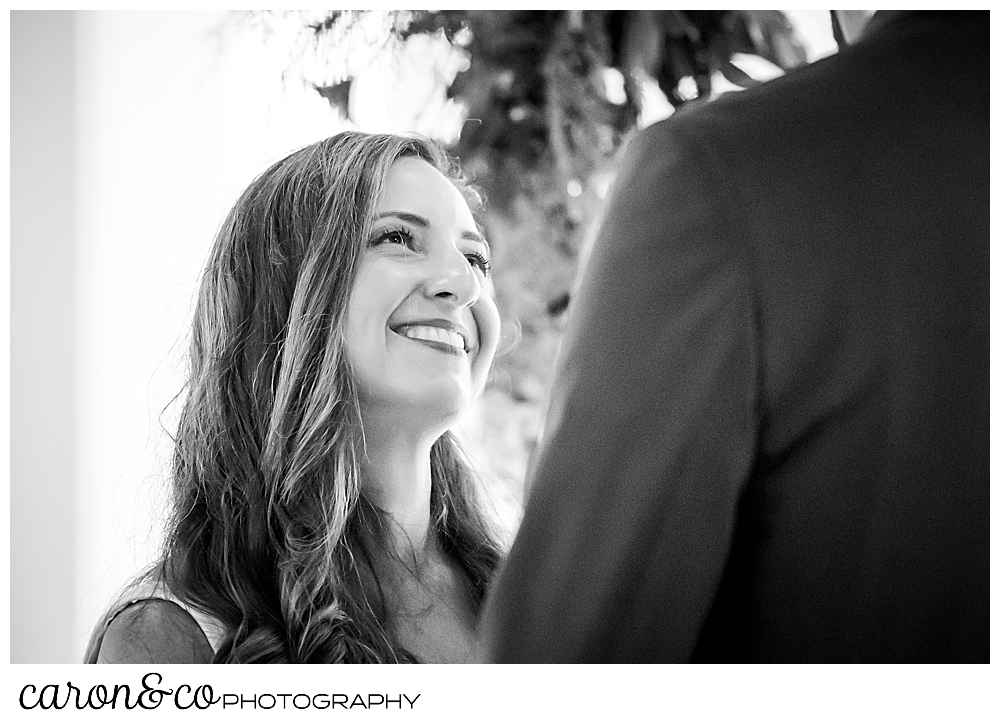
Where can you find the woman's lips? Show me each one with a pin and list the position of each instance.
(442, 336)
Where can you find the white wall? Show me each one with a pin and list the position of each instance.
(148, 125)
(42, 489)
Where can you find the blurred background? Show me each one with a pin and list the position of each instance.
(132, 133)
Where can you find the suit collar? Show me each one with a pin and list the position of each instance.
(885, 18)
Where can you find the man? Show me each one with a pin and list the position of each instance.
(769, 437)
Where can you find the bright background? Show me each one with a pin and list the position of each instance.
(132, 133)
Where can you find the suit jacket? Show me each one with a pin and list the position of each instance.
(769, 435)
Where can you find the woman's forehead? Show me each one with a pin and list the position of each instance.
(414, 182)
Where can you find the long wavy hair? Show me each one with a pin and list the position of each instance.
(271, 533)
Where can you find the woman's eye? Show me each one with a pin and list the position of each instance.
(479, 261)
(394, 236)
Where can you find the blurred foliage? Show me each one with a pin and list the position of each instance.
(549, 98)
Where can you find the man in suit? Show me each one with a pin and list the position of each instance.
(769, 435)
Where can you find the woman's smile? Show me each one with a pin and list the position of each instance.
(437, 334)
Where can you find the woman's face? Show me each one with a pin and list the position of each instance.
(422, 326)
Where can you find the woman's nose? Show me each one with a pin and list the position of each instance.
(451, 277)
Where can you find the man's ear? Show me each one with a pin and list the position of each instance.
(849, 24)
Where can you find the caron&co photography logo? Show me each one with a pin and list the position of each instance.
(152, 692)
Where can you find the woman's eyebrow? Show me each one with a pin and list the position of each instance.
(423, 223)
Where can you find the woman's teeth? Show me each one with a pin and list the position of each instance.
(435, 334)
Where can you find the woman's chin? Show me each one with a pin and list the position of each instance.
(443, 412)
(433, 409)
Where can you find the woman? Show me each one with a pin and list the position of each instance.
(323, 512)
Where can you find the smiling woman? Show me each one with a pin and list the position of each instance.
(322, 509)
(422, 326)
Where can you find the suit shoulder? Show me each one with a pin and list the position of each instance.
(154, 631)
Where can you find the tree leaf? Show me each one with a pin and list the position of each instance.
(337, 95)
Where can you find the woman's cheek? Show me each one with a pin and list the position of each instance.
(487, 318)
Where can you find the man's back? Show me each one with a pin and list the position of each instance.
(792, 461)
(863, 533)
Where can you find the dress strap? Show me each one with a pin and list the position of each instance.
(156, 589)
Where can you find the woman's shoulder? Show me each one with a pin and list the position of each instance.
(154, 631)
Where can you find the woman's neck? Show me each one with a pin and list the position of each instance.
(396, 476)
(432, 611)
